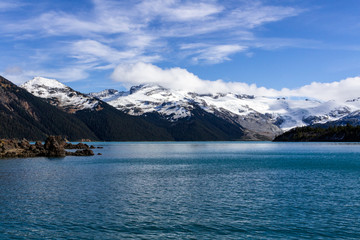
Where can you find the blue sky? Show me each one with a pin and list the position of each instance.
(273, 44)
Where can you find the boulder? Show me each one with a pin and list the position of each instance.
(54, 146)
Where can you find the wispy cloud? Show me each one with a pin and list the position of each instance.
(217, 53)
(87, 50)
(178, 11)
(111, 32)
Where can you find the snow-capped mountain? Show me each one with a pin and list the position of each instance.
(23, 115)
(108, 94)
(260, 117)
(60, 95)
(102, 121)
(148, 98)
(256, 113)
(111, 124)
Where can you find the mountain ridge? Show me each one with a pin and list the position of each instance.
(106, 122)
(256, 117)
(111, 124)
(24, 115)
(266, 116)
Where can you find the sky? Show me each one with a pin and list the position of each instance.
(268, 47)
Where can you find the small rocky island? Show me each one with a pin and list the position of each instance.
(55, 146)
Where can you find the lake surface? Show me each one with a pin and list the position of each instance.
(195, 190)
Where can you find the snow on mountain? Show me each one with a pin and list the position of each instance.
(108, 94)
(148, 98)
(281, 112)
(264, 115)
(60, 95)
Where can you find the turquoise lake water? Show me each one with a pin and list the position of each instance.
(195, 190)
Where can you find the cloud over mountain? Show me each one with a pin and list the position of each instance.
(181, 79)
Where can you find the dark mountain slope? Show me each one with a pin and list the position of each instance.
(201, 126)
(320, 133)
(106, 122)
(110, 124)
(23, 115)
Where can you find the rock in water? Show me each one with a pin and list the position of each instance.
(54, 146)
(76, 146)
(84, 152)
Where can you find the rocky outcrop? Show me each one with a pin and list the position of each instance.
(54, 147)
(78, 146)
(84, 152)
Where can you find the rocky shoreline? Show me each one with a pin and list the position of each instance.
(55, 146)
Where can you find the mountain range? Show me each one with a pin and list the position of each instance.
(112, 124)
(154, 113)
(261, 117)
(24, 115)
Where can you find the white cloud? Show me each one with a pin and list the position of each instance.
(94, 49)
(90, 51)
(174, 78)
(255, 14)
(217, 54)
(110, 32)
(211, 54)
(341, 90)
(175, 10)
(181, 79)
(193, 11)
(148, 27)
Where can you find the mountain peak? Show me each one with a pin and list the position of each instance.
(59, 94)
(44, 82)
(26, 116)
(146, 87)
